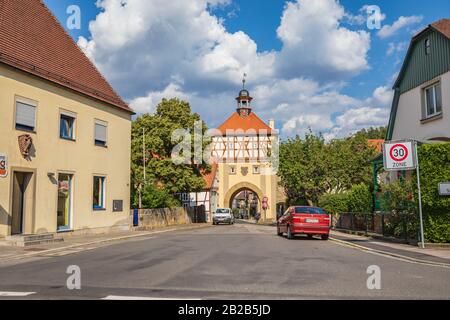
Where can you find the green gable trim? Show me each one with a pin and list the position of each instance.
(418, 68)
(390, 130)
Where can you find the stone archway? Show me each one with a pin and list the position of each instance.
(232, 192)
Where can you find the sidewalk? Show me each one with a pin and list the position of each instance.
(78, 243)
(395, 249)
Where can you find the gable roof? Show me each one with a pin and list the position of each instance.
(209, 178)
(251, 122)
(441, 27)
(32, 40)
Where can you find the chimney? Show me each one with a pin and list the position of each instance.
(272, 124)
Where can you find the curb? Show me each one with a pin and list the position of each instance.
(390, 254)
(55, 250)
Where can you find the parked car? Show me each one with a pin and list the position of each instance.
(304, 220)
(223, 215)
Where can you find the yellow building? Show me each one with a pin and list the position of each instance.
(245, 148)
(64, 132)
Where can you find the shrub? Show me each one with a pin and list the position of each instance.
(154, 197)
(334, 203)
(359, 199)
(434, 169)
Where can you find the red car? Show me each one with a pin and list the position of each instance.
(304, 220)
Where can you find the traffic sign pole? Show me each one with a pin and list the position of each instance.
(422, 236)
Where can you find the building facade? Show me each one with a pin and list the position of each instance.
(207, 198)
(421, 106)
(64, 132)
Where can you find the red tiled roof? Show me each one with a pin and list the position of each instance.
(377, 144)
(442, 26)
(209, 178)
(32, 40)
(236, 122)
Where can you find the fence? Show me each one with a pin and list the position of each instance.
(164, 217)
(403, 226)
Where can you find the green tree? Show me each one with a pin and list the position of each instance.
(349, 163)
(373, 133)
(157, 130)
(310, 167)
(303, 168)
(154, 197)
(360, 199)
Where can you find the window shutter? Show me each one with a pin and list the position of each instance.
(25, 114)
(100, 132)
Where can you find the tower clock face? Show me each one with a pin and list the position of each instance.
(244, 112)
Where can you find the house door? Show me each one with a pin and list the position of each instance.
(21, 201)
(64, 213)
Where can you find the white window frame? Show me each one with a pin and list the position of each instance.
(103, 193)
(427, 46)
(104, 124)
(72, 115)
(435, 106)
(30, 103)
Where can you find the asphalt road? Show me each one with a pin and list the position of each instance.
(223, 262)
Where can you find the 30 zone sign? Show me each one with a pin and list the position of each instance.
(399, 155)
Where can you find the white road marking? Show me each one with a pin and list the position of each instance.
(15, 294)
(142, 298)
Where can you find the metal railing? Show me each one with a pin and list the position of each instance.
(402, 225)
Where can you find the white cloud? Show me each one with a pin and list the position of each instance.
(316, 44)
(142, 45)
(394, 47)
(402, 22)
(148, 103)
(157, 49)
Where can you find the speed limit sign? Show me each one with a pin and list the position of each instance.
(399, 155)
(402, 155)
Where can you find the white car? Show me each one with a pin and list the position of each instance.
(223, 215)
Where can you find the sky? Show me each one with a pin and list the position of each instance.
(327, 65)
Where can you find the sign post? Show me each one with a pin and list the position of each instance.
(402, 155)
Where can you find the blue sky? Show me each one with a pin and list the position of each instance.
(295, 73)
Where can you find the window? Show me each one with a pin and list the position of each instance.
(427, 46)
(101, 133)
(99, 193)
(433, 100)
(67, 126)
(256, 169)
(25, 116)
(310, 210)
(186, 197)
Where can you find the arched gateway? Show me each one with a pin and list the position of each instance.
(243, 148)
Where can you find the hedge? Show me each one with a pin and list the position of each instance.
(434, 162)
(357, 200)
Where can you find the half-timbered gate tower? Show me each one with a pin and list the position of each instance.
(243, 146)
